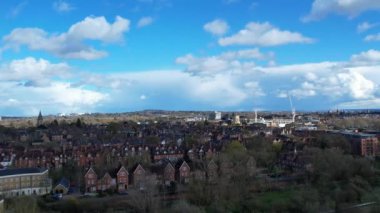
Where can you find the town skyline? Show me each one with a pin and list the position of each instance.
(236, 55)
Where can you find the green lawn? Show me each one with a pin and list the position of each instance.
(267, 200)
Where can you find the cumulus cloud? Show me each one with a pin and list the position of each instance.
(358, 86)
(30, 84)
(145, 21)
(229, 80)
(226, 62)
(350, 8)
(62, 6)
(221, 81)
(33, 71)
(175, 89)
(217, 27)
(57, 97)
(263, 34)
(216, 82)
(366, 58)
(333, 82)
(70, 44)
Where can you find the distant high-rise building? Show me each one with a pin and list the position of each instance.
(39, 119)
(215, 116)
(218, 115)
(236, 119)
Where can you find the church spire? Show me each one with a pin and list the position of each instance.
(39, 119)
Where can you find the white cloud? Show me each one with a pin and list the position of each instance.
(57, 97)
(97, 28)
(62, 6)
(374, 37)
(31, 84)
(216, 81)
(358, 86)
(254, 88)
(351, 8)
(253, 53)
(33, 71)
(366, 58)
(70, 44)
(263, 34)
(145, 21)
(364, 26)
(217, 27)
(174, 87)
(233, 79)
(333, 82)
(229, 80)
(230, 61)
(211, 64)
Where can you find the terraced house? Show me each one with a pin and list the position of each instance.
(29, 181)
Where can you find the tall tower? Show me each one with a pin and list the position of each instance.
(39, 119)
(292, 108)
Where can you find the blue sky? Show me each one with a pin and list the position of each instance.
(114, 56)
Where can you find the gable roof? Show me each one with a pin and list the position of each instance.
(180, 163)
(107, 174)
(122, 168)
(89, 171)
(134, 168)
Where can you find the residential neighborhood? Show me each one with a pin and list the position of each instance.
(76, 159)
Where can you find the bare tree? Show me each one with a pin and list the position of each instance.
(145, 199)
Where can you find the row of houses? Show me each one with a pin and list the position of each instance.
(87, 155)
(121, 179)
(164, 172)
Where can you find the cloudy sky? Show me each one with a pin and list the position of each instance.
(69, 56)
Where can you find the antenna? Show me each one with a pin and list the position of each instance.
(292, 108)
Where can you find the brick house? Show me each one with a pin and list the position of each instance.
(90, 179)
(122, 179)
(183, 172)
(105, 183)
(169, 173)
(138, 176)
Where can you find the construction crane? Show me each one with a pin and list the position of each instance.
(292, 108)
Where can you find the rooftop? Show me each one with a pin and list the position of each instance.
(8, 172)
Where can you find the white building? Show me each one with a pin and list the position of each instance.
(28, 181)
(218, 115)
(236, 119)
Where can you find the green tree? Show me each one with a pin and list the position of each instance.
(78, 123)
(25, 204)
